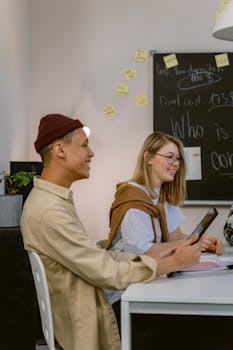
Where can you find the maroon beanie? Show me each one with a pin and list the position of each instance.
(52, 127)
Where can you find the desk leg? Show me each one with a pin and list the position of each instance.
(125, 326)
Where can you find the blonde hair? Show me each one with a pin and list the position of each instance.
(173, 191)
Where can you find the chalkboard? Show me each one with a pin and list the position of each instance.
(193, 101)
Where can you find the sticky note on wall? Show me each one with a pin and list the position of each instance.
(141, 100)
(109, 110)
(224, 2)
(122, 90)
(140, 55)
(222, 60)
(130, 74)
(217, 14)
(170, 60)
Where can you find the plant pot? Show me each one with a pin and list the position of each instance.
(10, 210)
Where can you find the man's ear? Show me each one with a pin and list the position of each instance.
(59, 149)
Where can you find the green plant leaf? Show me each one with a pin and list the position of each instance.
(14, 182)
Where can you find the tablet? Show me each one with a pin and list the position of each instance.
(205, 222)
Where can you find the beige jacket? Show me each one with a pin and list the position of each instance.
(77, 270)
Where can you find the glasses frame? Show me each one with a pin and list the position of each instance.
(171, 159)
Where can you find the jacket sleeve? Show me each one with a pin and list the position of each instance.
(63, 238)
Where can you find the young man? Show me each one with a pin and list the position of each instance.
(77, 270)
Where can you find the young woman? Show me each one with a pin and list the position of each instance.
(146, 215)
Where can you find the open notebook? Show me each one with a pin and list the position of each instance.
(208, 263)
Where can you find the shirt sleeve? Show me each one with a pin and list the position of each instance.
(63, 239)
(137, 231)
(175, 217)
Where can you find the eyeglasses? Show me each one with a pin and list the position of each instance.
(171, 159)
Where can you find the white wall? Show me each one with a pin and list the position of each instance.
(14, 73)
(78, 51)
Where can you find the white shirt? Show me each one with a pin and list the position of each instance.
(135, 233)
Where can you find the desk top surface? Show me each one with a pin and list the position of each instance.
(203, 287)
(211, 287)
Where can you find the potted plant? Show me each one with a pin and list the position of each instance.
(15, 182)
(12, 201)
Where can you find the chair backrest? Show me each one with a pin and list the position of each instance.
(43, 298)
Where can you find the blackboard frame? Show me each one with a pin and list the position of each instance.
(193, 199)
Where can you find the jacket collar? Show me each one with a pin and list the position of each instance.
(60, 191)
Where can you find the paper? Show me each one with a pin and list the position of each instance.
(203, 267)
(222, 60)
(193, 163)
(208, 256)
(140, 55)
(170, 60)
(141, 100)
(122, 90)
(130, 74)
(109, 110)
(209, 262)
(206, 266)
(225, 259)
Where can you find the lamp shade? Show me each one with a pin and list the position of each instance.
(224, 25)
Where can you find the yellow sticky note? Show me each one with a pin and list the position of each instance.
(140, 55)
(109, 110)
(222, 60)
(122, 90)
(170, 60)
(217, 14)
(141, 100)
(224, 2)
(130, 74)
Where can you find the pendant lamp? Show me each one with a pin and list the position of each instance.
(224, 25)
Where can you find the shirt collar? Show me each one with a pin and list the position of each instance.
(60, 191)
(157, 190)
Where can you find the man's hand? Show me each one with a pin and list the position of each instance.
(185, 255)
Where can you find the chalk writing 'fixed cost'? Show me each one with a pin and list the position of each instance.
(214, 100)
(184, 129)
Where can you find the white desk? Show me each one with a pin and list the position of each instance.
(204, 294)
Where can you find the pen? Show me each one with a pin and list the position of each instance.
(212, 246)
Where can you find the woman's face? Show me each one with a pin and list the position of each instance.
(164, 164)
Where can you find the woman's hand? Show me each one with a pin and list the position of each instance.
(211, 244)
